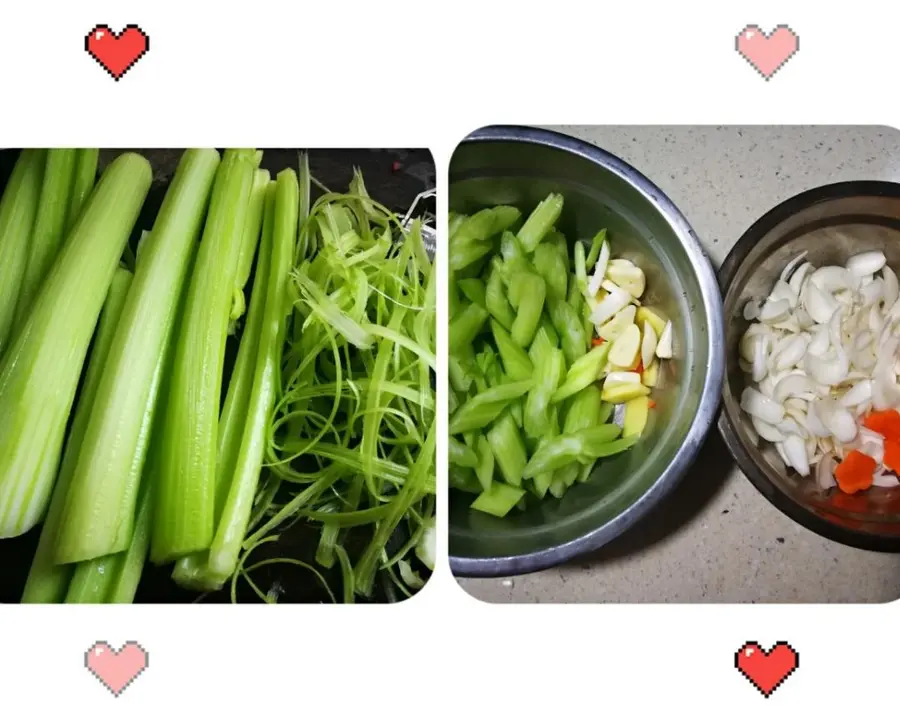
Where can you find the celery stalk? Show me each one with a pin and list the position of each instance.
(185, 513)
(253, 227)
(49, 226)
(40, 371)
(130, 564)
(191, 570)
(82, 183)
(47, 581)
(18, 209)
(226, 545)
(100, 506)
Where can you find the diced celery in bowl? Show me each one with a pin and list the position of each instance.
(555, 361)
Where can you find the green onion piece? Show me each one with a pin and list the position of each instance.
(85, 175)
(18, 209)
(100, 508)
(40, 371)
(49, 227)
(47, 581)
(185, 513)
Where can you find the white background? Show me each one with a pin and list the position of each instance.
(423, 74)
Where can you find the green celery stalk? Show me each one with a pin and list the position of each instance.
(250, 240)
(84, 176)
(40, 371)
(129, 565)
(49, 226)
(47, 581)
(191, 571)
(18, 210)
(226, 545)
(92, 579)
(100, 508)
(185, 513)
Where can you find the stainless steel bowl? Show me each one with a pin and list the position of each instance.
(831, 223)
(520, 166)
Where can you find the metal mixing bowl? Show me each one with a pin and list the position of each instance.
(831, 223)
(520, 166)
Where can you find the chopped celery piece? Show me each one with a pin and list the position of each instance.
(47, 581)
(49, 226)
(40, 370)
(18, 209)
(499, 499)
(185, 513)
(100, 508)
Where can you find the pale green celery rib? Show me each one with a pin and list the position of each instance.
(18, 210)
(47, 581)
(185, 512)
(40, 370)
(49, 228)
(82, 183)
(250, 239)
(226, 546)
(100, 508)
(191, 571)
(130, 564)
(115, 578)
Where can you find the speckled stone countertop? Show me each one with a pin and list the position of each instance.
(716, 539)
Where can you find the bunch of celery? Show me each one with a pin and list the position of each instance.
(328, 412)
(526, 409)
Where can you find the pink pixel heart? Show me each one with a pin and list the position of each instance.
(767, 53)
(116, 669)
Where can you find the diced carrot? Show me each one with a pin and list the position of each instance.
(884, 422)
(640, 368)
(651, 404)
(855, 473)
(597, 341)
(892, 455)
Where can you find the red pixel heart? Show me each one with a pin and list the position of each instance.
(767, 670)
(117, 53)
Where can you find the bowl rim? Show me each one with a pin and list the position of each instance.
(795, 511)
(712, 385)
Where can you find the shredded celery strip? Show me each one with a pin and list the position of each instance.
(351, 439)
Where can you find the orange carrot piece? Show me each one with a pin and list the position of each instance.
(651, 404)
(892, 455)
(884, 422)
(855, 473)
(597, 341)
(640, 368)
